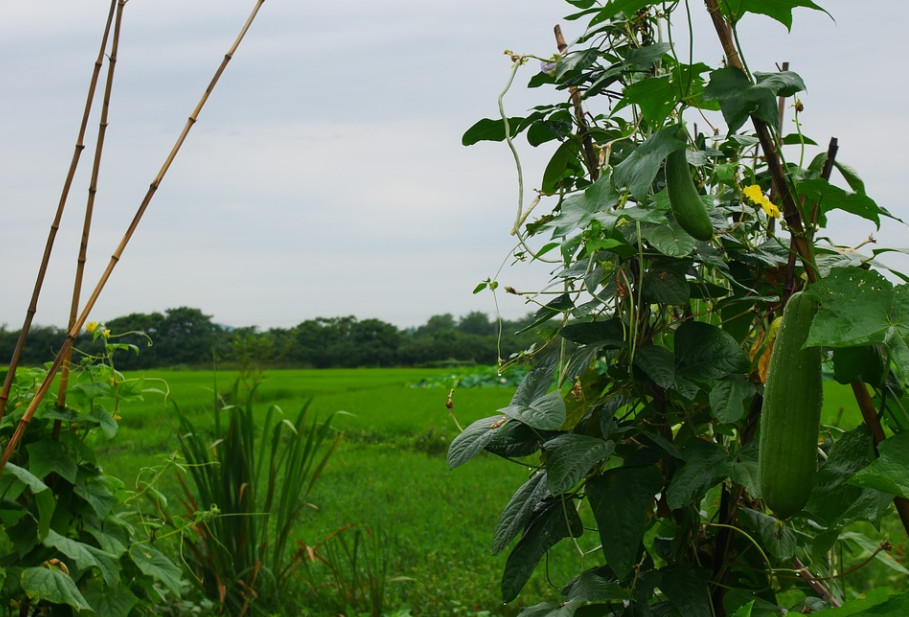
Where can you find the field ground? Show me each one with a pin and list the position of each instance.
(390, 472)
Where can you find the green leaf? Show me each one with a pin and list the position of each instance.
(563, 164)
(621, 500)
(519, 511)
(95, 489)
(44, 497)
(552, 523)
(880, 602)
(705, 352)
(52, 585)
(667, 284)
(570, 457)
(656, 97)
(658, 363)
(705, 464)
(488, 129)
(861, 363)
(607, 333)
(85, 556)
(614, 7)
(830, 197)
(155, 564)
(117, 601)
(48, 455)
(727, 398)
(890, 472)
(472, 440)
(835, 502)
(591, 587)
(639, 169)
(686, 587)
(777, 538)
(670, 240)
(545, 413)
(780, 10)
(579, 209)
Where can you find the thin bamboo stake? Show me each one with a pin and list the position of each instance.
(115, 258)
(55, 225)
(794, 220)
(90, 205)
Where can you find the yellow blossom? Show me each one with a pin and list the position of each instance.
(106, 331)
(755, 194)
(91, 326)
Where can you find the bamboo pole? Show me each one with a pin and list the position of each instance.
(800, 240)
(115, 258)
(55, 225)
(90, 205)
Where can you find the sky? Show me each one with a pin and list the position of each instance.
(326, 175)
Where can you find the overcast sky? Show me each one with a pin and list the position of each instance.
(325, 176)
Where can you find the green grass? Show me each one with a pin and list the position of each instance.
(390, 473)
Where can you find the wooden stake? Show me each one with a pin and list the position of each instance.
(115, 258)
(55, 225)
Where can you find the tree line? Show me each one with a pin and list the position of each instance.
(187, 337)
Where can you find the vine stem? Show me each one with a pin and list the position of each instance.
(584, 130)
(799, 238)
(115, 258)
(55, 224)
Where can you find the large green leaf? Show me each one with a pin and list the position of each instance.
(604, 333)
(890, 472)
(739, 98)
(85, 556)
(545, 413)
(155, 564)
(780, 10)
(472, 440)
(117, 601)
(614, 7)
(48, 455)
(44, 497)
(519, 511)
(570, 457)
(488, 129)
(52, 585)
(705, 352)
(658, 363)
(830, 197)
(577, 210)
(563, 164)
(880, 602)
(621, 499)
(705, 464)
(667, 284)
(95, 489)
(552, 523)
(686, 587)
(727, 398)
(640, 168)
(778, 540)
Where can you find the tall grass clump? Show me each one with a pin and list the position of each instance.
(245, 491)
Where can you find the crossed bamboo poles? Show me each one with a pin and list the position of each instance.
(78, 319)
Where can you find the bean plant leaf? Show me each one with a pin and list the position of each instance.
(95, 490)
(489, 129)
(614, 7)
(472, 440)
(563, 164)
(779, 540)
(117, 601)
(727, 398)
(591, 587)
(155, 564)
(705, 464)
(553, 522)
(706, 352)
(621, 499)
(639, 169)
(579, 209)
(570, 457)
(686, 587)
(545, 413)
(670, 240)
(667, 284)
(890, 472)
(52, 585)
(658, 363)
(519, 511)
(606, 333)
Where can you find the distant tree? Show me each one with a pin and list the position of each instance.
(477, 322)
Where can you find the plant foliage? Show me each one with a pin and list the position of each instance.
(640, 418)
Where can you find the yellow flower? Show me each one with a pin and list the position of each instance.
(755, 194)
(91, 326)
(106, 331)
